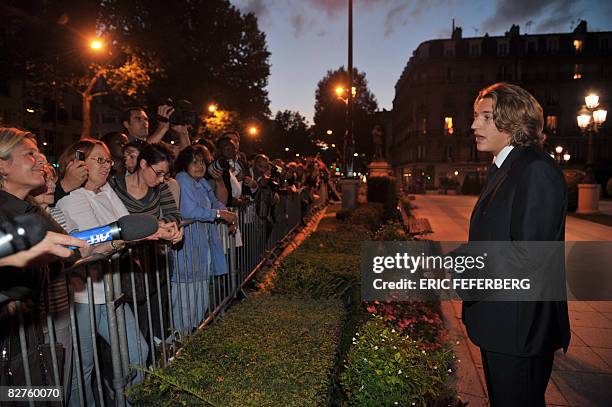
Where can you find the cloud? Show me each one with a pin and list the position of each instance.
(297, 22)
(549, 15)
(401, 13)
(257, 7)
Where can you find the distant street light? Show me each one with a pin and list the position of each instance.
(566, 157)
(558, 149)
(286, 148)
(212, 108)
(253, 130)
(329, 132)
(96, 44)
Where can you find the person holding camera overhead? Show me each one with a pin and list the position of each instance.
(170, 115)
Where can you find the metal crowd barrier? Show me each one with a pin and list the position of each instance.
(148, 308)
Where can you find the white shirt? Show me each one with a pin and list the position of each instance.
(501, 157)
(87, 209)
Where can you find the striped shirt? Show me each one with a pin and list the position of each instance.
(158, 201)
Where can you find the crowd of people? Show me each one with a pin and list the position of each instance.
(100, 181)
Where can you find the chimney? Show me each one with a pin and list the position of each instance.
(515, 31)
(581, 28)
(457, 33)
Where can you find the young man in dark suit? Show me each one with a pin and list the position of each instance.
(524, 199)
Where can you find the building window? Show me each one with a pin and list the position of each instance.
(578, 46)
(423, 125)
(532, 47)
(577, 71)
(449, 129)
(449, 49)
(502, 49)
(552, 45)
(551, 123)
(475, 49)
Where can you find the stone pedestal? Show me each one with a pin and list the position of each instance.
(350, 193)
(588, 198)
(380, 169)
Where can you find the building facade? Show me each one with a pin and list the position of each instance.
(432, 145)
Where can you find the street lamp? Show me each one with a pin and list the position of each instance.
(212, 108)
(566, 157)
(329, 132)
(96, 44)
(590, 118)
(253, 130)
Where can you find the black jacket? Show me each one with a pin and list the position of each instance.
(525, 200)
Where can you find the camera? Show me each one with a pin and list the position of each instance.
(221, 164)
(183, 112)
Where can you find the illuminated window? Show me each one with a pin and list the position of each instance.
(578, 45)
(551, 123)
(577, 71)
(448, 126)
(423, 125)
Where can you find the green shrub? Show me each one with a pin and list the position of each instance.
(384, 368)
(309, 274)
(346, 239)
(265, 351)
(391, 231)
(369, 216)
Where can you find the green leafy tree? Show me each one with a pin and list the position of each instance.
(207, 48)
(289, 129)
(330, 110)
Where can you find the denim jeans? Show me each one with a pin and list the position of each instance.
(87, 351)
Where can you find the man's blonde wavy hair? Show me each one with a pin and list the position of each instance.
(516, 112)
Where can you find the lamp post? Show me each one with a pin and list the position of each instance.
(590, 118)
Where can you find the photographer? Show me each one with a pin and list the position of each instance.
(136, 123)
(224, 168)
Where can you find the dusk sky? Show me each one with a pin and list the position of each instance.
(309, 37)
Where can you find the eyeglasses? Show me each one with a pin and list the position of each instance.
(102, 160)
(160, 174)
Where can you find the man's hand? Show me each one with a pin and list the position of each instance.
(228, 216)
(163, 111)
(52, 246)
(75, 176)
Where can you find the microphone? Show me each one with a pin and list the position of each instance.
(21, 233)
(128, 227)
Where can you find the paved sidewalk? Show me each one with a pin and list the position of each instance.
(583, 376)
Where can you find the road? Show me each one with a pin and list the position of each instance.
(583, 376)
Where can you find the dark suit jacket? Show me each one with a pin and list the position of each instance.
(524, 201)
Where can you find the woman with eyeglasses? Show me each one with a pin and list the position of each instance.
(201, 255)
(92, 205)
(145, 190)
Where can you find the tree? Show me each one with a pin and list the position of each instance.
(330, 110)
(48, 46)
(290, 130)
(207, 48)
(130, 79)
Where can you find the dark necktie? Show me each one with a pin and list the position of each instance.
(491, 173)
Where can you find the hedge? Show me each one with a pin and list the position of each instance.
(266, 351)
